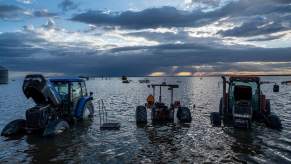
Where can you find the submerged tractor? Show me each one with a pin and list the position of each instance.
(244, 103)
(160, 113)
(60, 102)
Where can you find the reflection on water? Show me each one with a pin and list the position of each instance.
(197, 142)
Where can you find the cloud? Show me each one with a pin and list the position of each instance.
(148, 18)
(67, 5)
(11, 11)
(154, 41)
(267, 37)
(44, 13)
(25, 1)
(249, 17)
(38, 49)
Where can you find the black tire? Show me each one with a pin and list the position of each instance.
(215, 119)
(268, 107)
(184, 115)
(56, 127)
(15, 127)
(274, 122)
(141, 114)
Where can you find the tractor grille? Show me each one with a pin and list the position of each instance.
(243, 108)
(36, 118)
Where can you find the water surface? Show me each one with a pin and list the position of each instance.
(195, 143)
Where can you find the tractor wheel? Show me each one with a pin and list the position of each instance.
(56, 127)
(15, 127)
(88, 111)
(184, 115)
(141, 114)
(215, 119)
(268, 107)
(274, 122)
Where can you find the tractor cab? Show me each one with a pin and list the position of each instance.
(160, 112)
(243, 102)
(69, 90)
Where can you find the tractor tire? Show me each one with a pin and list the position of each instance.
(56, 127)
(15, 127)
(274, 122)
(88, 111)
(141, 114)
(268, 107)
(184, 115)
(215, 119)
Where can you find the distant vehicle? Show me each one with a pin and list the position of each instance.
(124, 79)
(286, 82)
(144, 81)
(244, 103)
(160, 113)
(60, 102)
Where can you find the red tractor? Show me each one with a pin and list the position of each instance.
(244, 103)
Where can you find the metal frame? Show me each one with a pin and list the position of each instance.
(171, 88)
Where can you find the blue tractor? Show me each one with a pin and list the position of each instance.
(59, 103)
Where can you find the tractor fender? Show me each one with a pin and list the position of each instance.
(81, 106)
(15, 127)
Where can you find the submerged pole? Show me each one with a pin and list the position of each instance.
(160, 97)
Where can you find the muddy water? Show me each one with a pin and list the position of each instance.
(173, 143)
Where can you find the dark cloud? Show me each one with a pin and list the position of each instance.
(67, 5)
(267, 37)
(44, 13)
(10, 11)
(253, 14)
(26, 52)
(148, 18)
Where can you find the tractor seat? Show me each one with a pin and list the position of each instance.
(160, 105)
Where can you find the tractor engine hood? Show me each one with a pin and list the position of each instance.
(40, 90)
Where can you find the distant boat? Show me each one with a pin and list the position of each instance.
(123, 78)
(125, 81)
(286, 82)
(144, 81)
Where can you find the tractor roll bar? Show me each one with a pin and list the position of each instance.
(171, 88)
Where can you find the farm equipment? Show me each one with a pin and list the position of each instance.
(60, 102)
(160, 113)
(244, 103)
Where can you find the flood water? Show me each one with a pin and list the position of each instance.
(197, 142)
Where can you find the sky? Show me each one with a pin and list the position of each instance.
(146, 37)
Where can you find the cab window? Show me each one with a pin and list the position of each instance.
(84, 90)
(62, 88)
(76, 90)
